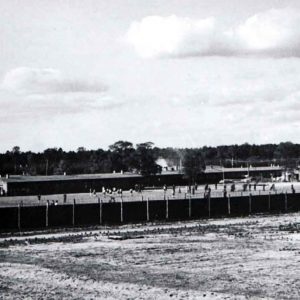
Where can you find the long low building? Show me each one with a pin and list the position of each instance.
(17, 185)
(214, 174)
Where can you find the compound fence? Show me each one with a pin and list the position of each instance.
(103, 212)
(216, 191)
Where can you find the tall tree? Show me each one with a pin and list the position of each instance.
(122, 156)
(193, 164)
(146, 164)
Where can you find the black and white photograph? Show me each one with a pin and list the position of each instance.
(150, 149)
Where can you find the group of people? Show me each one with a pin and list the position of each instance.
(53, 202)
(110, 191)
(190, 189)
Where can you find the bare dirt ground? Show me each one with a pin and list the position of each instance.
(243, 258)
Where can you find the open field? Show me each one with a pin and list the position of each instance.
(242, 258)
(153, 194)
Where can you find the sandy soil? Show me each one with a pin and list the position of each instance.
(243, 258)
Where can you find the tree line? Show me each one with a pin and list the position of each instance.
(141, 158)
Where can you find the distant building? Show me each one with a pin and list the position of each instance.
(214, 174)
(17, 185)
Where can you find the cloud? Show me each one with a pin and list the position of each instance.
(270, 33)
(34, 92)
(46, 81)
(275, 31)
(155, 35)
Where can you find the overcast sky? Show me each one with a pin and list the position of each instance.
(178, 73)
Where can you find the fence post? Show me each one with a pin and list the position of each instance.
(167, 208)
(47, 214)
(100, 210)
(285, 201)
(190, 207)
(250, 200)
(148, 218)
(228, 204)
(121, 212)
(208, 199)
(19, 217)
(269, 201)
(73, 212)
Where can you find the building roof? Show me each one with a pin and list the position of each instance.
(220, 169)
(26, 178)
(38, 178)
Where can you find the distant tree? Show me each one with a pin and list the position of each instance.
(30, 166)
(61, 168)
(15, 153)
(104, 162)
(16, 150)
(193, 164)
(287, 150)
(49, 160)
(146, 164)
(81, 149)
(122, 156)
(146, 145)
(121, 146)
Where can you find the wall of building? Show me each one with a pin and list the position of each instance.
(213, 177)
